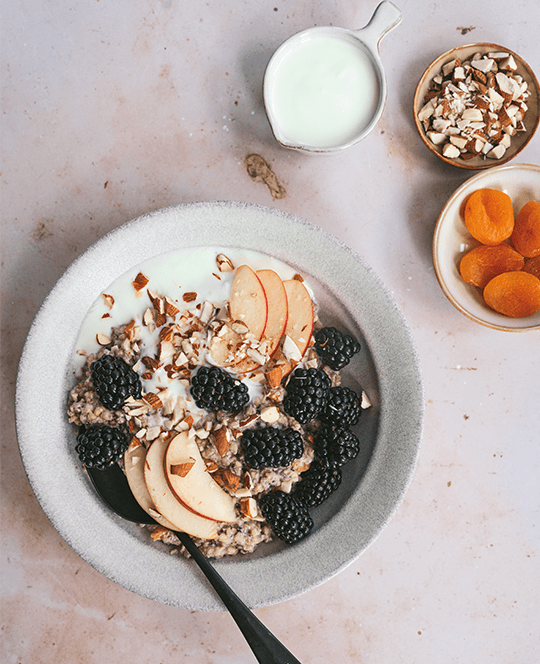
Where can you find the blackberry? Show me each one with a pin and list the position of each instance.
(99, 445)
(336, 444)
(215, 389)
(271, 447)
(318, 483)
(342, 407)
(286, 515)
(307, 391)
(335, 348)
(114, 381)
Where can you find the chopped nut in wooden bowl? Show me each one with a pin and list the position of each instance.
(477, 106)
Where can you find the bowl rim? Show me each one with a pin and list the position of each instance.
(436, 265)
(489, 46)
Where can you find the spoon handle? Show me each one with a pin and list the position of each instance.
(266, 648)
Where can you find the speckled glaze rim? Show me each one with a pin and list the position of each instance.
(114, 547)
(464, 51)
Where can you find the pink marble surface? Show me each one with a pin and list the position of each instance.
(112, 109)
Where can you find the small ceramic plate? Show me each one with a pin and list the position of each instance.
(452, 240)
(531, 119)
(349, 295)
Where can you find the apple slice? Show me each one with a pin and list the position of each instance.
(278, 309)
(196, 489)
(248, 300)
(166, 502)
(248, 308)
(134, 460)
(276, 321)
(300, 321)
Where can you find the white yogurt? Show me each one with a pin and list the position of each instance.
(322, 91)
(170, 275)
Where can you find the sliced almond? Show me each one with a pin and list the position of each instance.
(102, 339)
(249, 420)
(426, 111)
(451, 151)
(189, 297)
(504, 118)
(230, 480)
(224, 263)
(437, 138)
(508, 63)
(150, 363)
(148, 317)
(166, 333)
(483, 65)
(222, 438)
(441, 125)
(152, 433)
(248, 507)
(275, 375)
(497, 152)
(506, 141)
(270, 414)
(448, 68)
(243, 493)
(153, 400)
(131, 330)
(239, 327)
(505, 86)
(206, 312)
(257, 356)
(472, 115)
(156, 301)
(459, 141)
(290, 350)
(188, 420)
(170, 309)
(182, 469)
(140, 281)
(165, 350)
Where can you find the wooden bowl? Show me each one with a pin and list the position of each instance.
(530, 120)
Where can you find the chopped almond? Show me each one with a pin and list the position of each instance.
(182, 469)
(140, 282)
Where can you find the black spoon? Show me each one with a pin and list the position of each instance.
(113, 488)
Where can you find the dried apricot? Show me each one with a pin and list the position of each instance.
(526, 234)
(482, 263)
(514, 294)
(532, 265)
(489, 216)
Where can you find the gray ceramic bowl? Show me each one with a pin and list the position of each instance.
(374, 484)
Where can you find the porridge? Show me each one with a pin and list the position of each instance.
(208, 376)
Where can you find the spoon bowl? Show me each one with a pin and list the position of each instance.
(113, 488)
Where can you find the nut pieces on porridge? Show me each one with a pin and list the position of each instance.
(231, 424)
